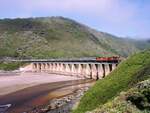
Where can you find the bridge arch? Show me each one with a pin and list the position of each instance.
(91, 70)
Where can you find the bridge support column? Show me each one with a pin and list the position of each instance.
(67, 68)
(88, 72)
(60, 67)
(53, 67)
(107, 69)
(114, 66)
(76, 69)
(63, 68)
(84, 70)
(49, 69)
(73, 70)
(70, 69)
(79, 70)
(94, 72)
(57, 68)
(46, 67)
(33, 67)
(42, 67)
(100, 71)
(39, 67)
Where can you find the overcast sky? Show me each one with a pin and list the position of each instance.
(118, 17)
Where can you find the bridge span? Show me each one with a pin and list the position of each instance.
(84, 68)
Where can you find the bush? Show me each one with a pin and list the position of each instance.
(8, 66)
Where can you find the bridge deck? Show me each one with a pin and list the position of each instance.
(66, 61)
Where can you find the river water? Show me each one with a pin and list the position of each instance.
(28, 98)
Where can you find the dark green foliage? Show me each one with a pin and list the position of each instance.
(141, 99)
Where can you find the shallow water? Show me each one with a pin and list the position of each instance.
(39, 95)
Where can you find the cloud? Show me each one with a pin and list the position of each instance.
(119, 16)
(111, 10)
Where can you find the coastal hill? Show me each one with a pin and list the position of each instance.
(125, 90)
(59, 37)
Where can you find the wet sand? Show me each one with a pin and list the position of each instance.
(28, 98)
(25, 91)
(12, 82)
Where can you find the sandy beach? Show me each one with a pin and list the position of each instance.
(12, 82)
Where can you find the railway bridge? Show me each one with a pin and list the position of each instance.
(84, 68)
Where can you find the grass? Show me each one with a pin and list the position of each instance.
(9, 66)
(129, 72)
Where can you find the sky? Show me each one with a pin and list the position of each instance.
(124, 18)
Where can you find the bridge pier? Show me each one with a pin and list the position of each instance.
(79, 70)
(83, 70)
(34, 66)
(100, 71)
(107, 69)
(67, 69)
(54, 67)
(39, 67)
(73, 70)
(94, 71)
(88, 72)
(114, 66)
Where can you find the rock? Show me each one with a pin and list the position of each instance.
(71, 97)
(68, 100)
(45, 109)
(52, 106)
(144, 84)
(86, 88)
(55, 104)
(78, 95)
(81, 94)
(59, 105)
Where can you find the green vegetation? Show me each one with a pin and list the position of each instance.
(58, 37)
(127, 74)
(135, 100)
(8, 66)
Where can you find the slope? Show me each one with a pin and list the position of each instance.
(57, 37)
(129, 72)
(135, 100)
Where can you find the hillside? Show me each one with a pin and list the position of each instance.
(53, 37)
(127, 74)
(135, 100)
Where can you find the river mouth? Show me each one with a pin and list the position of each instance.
(39, 95)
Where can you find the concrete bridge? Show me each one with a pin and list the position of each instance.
(84, 68)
